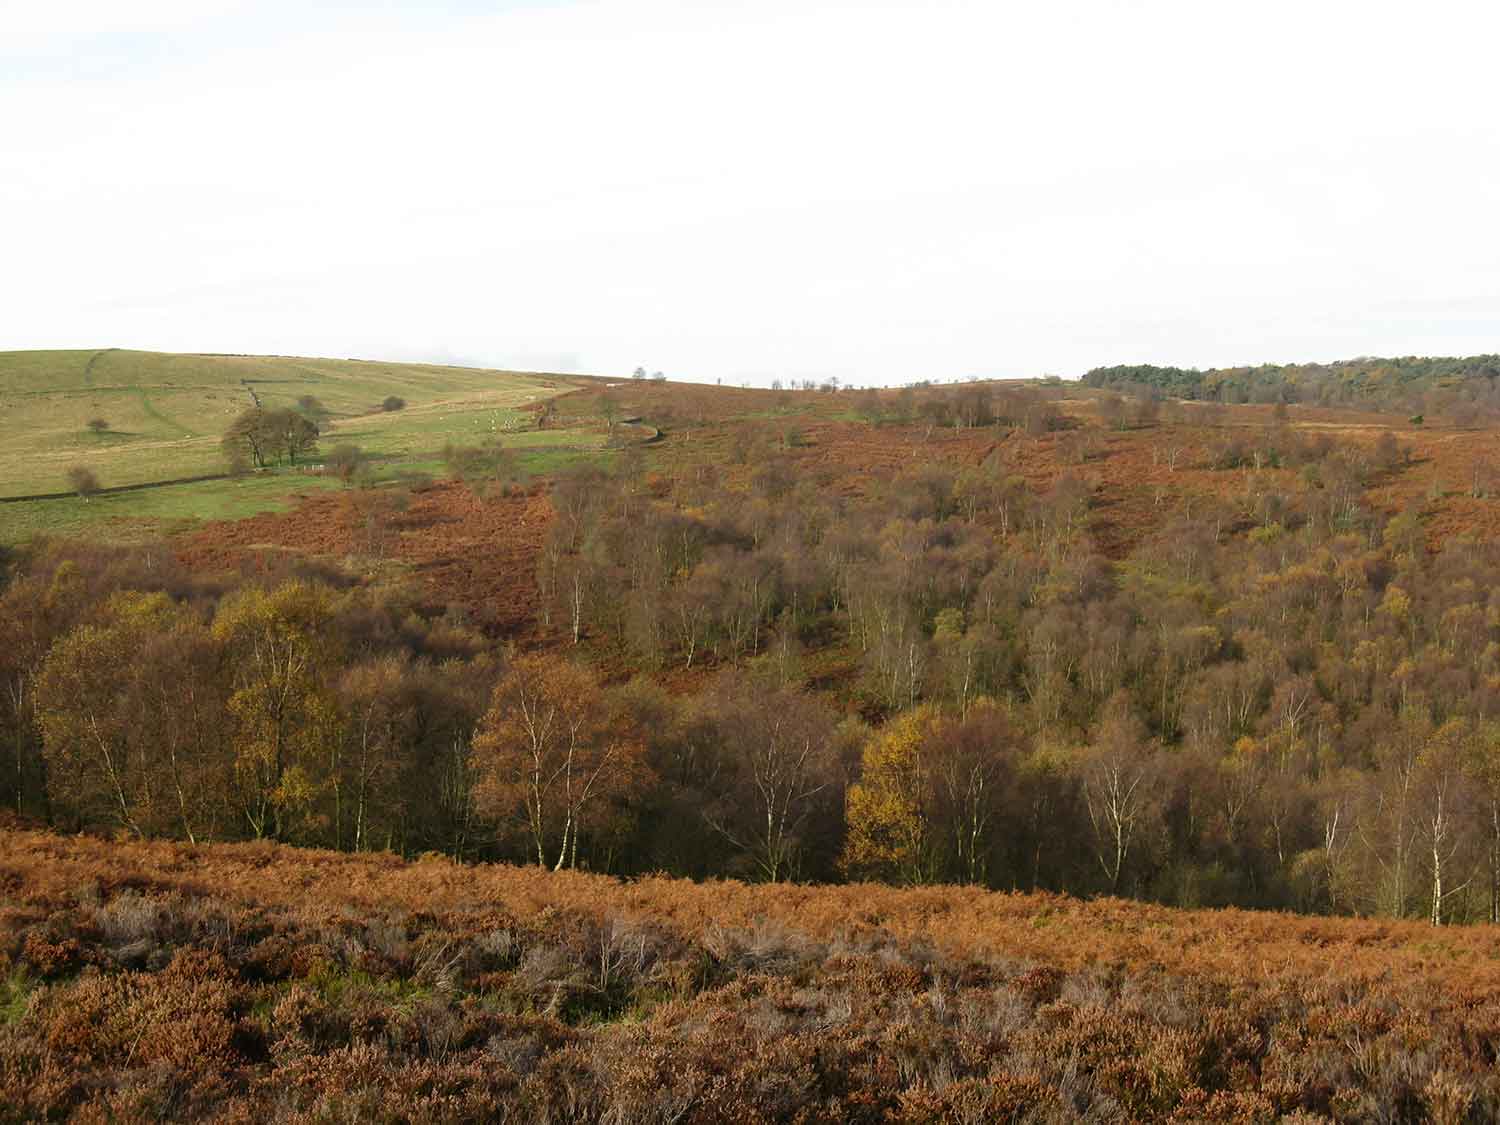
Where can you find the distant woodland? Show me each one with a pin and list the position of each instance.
(1416, 382)
(745, 664)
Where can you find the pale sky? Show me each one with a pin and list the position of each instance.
(745, 191)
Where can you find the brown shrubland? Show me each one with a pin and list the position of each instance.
(256, 981)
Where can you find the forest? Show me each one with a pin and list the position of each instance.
(1419, 384)
(1010, 636)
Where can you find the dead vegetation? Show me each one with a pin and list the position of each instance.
(260, 982)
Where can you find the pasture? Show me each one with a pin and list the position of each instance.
(166, 414)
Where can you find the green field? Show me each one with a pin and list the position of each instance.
(167, 412)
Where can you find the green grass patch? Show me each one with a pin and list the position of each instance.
(335, 986)
(132, 516)
(15, 996)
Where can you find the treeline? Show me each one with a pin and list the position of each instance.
(1280, 700)
(965, 406)
(1436, 384)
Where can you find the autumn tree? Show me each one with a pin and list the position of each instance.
(364, 775)
(974, 762)
(930, 795)
(1117, 774)
(548, 754)
(1391, 821)
(82, 480)
(244, 441)
(182, 684)
(285, 725)
(97, 769)
(35, 611)
(264, 437)
(344, 461)
(484, 465)
(607, 406)
(289, 434)
(777, 746)
(131, 713)
(433, 769)
(1446, 813)
(889, 811)
(1482, 762)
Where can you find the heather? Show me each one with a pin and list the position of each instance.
(256, 981)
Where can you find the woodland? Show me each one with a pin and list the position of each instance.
(944, 635)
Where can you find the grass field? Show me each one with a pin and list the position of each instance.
(166, 414)
(146, 514)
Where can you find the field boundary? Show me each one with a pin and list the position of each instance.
(116, 488)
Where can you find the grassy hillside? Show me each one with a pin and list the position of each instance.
(144, 981)
(166, 414)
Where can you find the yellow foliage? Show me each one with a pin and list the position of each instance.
(887, 810)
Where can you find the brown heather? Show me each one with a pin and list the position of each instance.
(255, 982)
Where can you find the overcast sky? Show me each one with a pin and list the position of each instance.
(744, 191)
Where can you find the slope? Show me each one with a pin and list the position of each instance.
(166, 412)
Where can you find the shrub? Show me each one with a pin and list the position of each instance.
(81, 479)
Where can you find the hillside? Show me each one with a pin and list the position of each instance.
(1020, 635)
(167, 413)
(165, 416)
(257, 982)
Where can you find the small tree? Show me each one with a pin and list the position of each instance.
(98, 425)
(393, 403)
(638, 373)
(778, 760)
(82, 480)
(344, 461)
(609, 409)
(245, 441)
(288, 434)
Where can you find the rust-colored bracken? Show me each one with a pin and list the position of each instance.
(256, 982)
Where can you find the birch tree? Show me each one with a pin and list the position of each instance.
(547, 753)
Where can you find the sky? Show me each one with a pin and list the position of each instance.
(878, 192)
